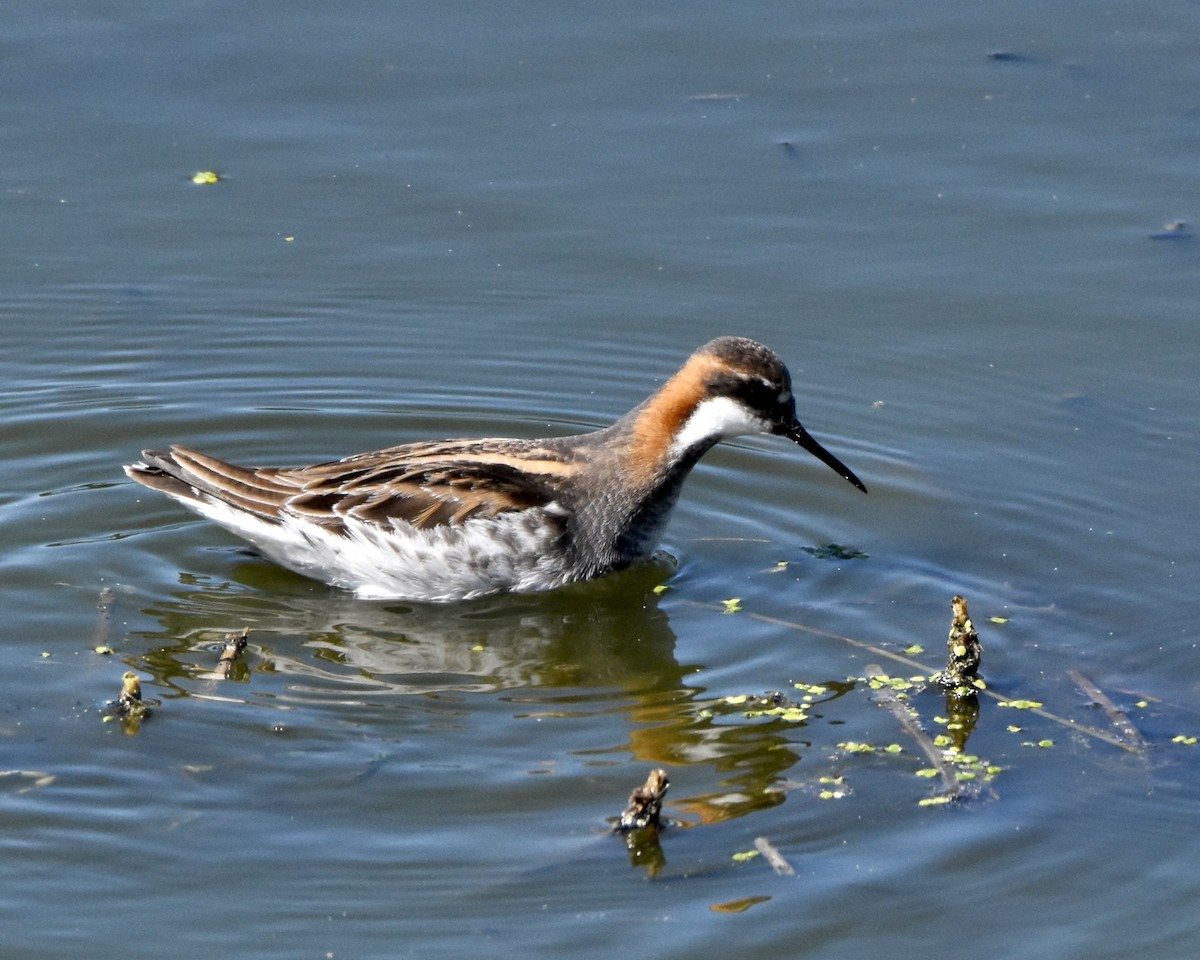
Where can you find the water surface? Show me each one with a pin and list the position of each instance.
(518, 221)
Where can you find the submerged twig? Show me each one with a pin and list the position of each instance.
(1116, 716)
(907, 718)
(772, 855)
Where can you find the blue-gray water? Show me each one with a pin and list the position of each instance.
(517, 219)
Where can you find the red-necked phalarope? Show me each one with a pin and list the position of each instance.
(464, 518)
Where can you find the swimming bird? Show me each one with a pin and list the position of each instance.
(456, 519)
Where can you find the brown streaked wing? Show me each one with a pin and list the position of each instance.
(430, 485)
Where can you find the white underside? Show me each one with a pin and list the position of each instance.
(516, 552)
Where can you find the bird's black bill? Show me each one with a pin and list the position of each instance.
(796, 432)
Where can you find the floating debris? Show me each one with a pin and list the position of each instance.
(36, 778)
(834, 551)
(738, 906)
(835, 788)
(206, 177)
(1173, 230)
(772, 705)
(1008, 56)
(853, 746)
(964, 653)
(645, 803)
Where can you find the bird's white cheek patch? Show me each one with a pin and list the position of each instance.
(716, 419)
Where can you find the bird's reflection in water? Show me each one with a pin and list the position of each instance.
(606, 644)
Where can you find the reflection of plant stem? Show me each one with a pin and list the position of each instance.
(645, 851)
(915, 665)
